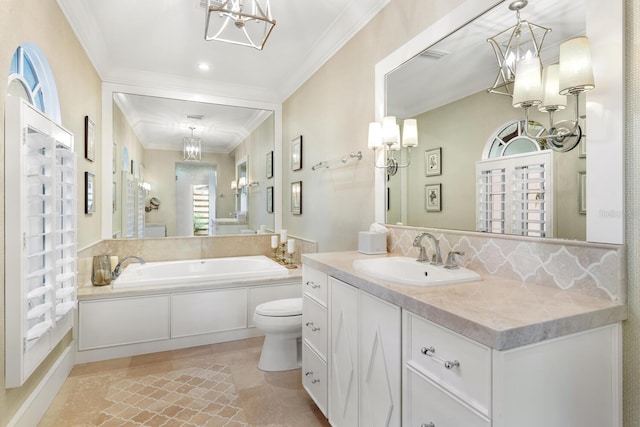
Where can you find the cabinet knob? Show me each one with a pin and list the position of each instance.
(427, 425)
(315, 380)
(430, 351)
(306, 374)
(310, 325)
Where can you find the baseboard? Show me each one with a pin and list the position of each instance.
(36, 405)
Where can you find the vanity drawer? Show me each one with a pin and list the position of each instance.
(315, 283)
(314, 325)
(434, 351)
(426, 404)
(314, 377)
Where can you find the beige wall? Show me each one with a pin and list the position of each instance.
(41, 22)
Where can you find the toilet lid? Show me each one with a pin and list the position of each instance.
(281, 308)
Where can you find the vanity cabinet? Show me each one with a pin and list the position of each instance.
(364, 362)
(315, 341)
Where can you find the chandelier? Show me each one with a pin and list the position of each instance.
(242, 22)
(523, 40)
(192, 147)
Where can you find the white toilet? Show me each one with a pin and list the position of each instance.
(281, 322)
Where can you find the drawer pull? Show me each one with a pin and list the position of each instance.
(446, 363)
(310, 325)
(428, 425)
(315, 380)
(306, 374)
(312, 284)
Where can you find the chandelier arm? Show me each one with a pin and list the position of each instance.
(396, 164)
(555, 135)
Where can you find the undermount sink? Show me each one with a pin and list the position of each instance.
(408, 271)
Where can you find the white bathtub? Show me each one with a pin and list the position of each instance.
(212, 270)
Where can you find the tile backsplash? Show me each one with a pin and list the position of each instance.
(594, 269)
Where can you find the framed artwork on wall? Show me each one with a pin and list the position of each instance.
(114, 166)
(89, 193)
(433, 197)
(114, 198)
(269, 164)
(296, 198)
(269, 199)
(582, 193)
(89, 139)
(296, 153)
(432, 162)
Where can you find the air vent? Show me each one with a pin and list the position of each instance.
(433, 54)
(195, 116)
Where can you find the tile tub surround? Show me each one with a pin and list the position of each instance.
(593, 269)
(182, 248)
(498, 312)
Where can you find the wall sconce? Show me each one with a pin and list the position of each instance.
(386, 135)
(548, 90)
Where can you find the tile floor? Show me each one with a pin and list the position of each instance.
(212, 385)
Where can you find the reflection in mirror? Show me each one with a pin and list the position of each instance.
(197, 196)
(445, 89)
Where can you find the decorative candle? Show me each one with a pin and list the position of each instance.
(291, 246)
(283, 235)
(274, 242)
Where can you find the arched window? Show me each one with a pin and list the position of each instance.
(510, 139)
(30, 78)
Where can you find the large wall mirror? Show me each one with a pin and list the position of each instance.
(441, 77)
(186, 164)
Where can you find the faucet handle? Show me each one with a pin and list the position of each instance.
(451, 259)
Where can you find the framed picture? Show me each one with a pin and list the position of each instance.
(433, 198)
(433, 162)
(296, 198)
(296, 153)
(89, 193)
(270, 164)
(582, 193)
(89, 139)
(114, 206)
(582, 148)
(269, 199)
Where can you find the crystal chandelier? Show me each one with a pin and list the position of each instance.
(523, 40)
(192, 147)
(242, 22)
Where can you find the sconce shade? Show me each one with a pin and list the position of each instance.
(234, 185)
(527, 88)
(242, 182)
(552, 100)
(576, 72)
(410, 133)
(389, 130)
(375, 135)
(396, 140)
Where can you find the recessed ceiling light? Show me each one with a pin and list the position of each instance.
(203, 66)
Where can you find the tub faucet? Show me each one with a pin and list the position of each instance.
(116, 270)
(435, 244)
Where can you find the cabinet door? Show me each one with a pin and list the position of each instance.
(343, 394)
(120, 321)
(379, 362)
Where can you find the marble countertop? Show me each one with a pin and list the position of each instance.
(497, 312)
(86, 291)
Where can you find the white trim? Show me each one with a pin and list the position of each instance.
(37, 403)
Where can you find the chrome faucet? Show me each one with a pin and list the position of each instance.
(435, 244)
(116, 271)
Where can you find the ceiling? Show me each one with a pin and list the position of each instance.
(159, 43)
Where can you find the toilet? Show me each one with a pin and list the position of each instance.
(281, 322)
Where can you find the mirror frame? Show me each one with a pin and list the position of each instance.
(108, 89)
(605, 109)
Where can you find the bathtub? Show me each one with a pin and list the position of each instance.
(212, 270)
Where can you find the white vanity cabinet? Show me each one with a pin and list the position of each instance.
(449, 380)
(315, 335)
(364, 361)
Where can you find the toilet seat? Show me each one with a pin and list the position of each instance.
(280, 308)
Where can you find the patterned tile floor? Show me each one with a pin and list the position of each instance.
(213, 385)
